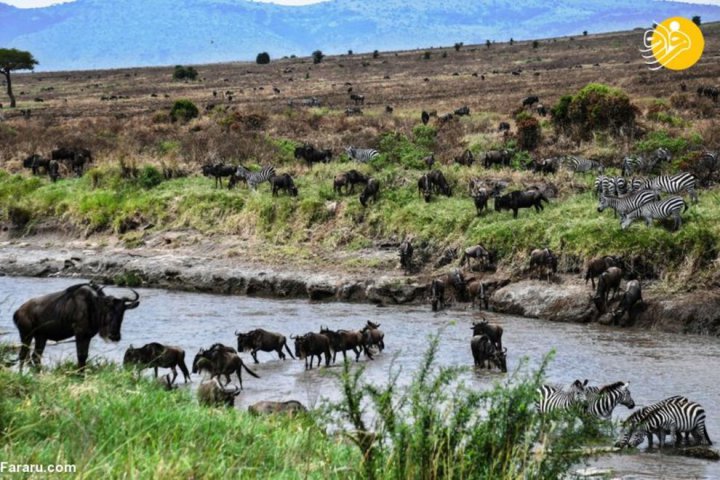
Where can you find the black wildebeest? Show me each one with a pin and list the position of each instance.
(440, 185)
(608, 280)
(437, 295)
(270, 407)
(348, 180)
(425, 117)
(259, 339)
(283, 182)
(462, 111)
(358, 99)
(212, 394)
(155, 355)
(517, 200)
(80, 311)
(53, 170)
(478, 293)
(480, 199)
(478, 252)
(494, 332)
(543, 259)
(373, 336)
(466, 158)
(35, 162)
(221, 360)
(530, 101)
(218, 171)
(312, 345)
(631, 297)
(504, 127)
(344, 340)
(75, 158)
(406, 253)
(371, 190)
(312, 155)
(425, 187)
(455, 280)
(497, 157)
(485, 353)
(429, 161)
(596, 266)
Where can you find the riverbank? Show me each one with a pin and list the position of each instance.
(184, 262)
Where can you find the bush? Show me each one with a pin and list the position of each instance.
(184, 73)
(661, 139)
(317, 56)
(262, 58)
(697, 20)
(183, 110)
(376, 54)
(585, 33)
(528, 131)
(427, 55)
(149, 177)
(425, 136)
(535, 44)
(458, 46)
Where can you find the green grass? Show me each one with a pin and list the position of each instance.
(111, 425)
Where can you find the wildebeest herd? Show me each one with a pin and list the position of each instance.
(73, 160)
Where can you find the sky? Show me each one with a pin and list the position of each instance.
(44, 3)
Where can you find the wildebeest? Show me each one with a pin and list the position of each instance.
(504, 127)
(425, 117)
(478, 293)
(35, 162)
(218, 171)
(53, 170)
(466, 158)
(443, 119)
(79, 311)
(462, 111)
(357, 98)
(350, 111)
(76, 158)
(518, 199)
(429, 161)
(494, 332)
(631, 297)
(440, 185)
(155, 355)
(541, 110)
(529, 101)
(485, 352)
(290, 407)
(437, 295)
(478, 252)
(312, 155)
(608, 280)
(371, 190)
(283, 182)
(212, 394)
(480, 199)
(455, 280)
(543, 259)
(406, 253)
(259, 339)
(221, 360)
(597, 266)
(497, 157)
(425, 187)
(344, 340)
(545, 166)
(312, 345)
(348, 180)
(372, 335)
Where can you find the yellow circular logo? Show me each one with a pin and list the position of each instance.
(676, 43)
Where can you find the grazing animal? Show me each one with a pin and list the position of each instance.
(480, 198)
(350, 111)
(517, 200)
(262, 340)
(358, 99)
(437, 295)
(155, 355)
(283, 182)
(466, 158)
(429, 161)
(455, 280)
(373, 336)
(670, 207)
(597, 266)
(212, 394)
(545, 166)
(290, 407)
(632, 295)
(603, 400)
(551, 398)
(678, 183)
(638, 163)
(75, 158)
(443, 119)
(438, 182)
(608, 280)
(221, 360)
(35, 162)
(254, 179)
(478, 293)
(406, 253)
(541, 110)
(497, 157)
(504, 127)
(53, 170)
(81, 311)
(543, 259)
(493, 332)
(312, 345)
(425, 117)
(707, 167)
(371, 190)
(462, 111)
(478, 252)
(362, 155)
(425, 187)
(311, 155)
(529, 101)
(628, 203)
(348, 180)
(344, 340)
(582, 165)
(484, 352)
(218, 171)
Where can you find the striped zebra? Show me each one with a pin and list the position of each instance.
(638, 163)
(603, 400)
(362, 155)
(670, 207)
(609, 185)
(254, 179)
(628, 203)
(552, 398)
(582, 165)
(675, 415)
(680, 182)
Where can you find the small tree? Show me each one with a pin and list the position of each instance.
(487, 43)
(426, 55)
(262, 58)
(350, 52)
(12, 59)
(376, 54)
(183, 110)
(535, 44)
(458, 46)
(584, 33)
(317, 56)
(512, 41)
(697, 20)
(184, 73)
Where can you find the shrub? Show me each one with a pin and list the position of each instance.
(661, 139)
(697, 20)
(149, 177)
(376, 54)
(487, 43)
(398, 149)
(317, 56)
(184, 73)
(183, 110)
(427, 55)
(425, 136)
(528, 131)
(535, 44)
(262, 58)
(585, 33)
(444, 55)
(458, 46)
(512, 41)
(350, 52)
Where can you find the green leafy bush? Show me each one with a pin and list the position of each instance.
(183, 110)
(149, 177)
(184, 73)
(262, 58)
(596, 107)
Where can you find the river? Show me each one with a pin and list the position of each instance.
(657, 365)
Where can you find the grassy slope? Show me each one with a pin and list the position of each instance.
(111, 425)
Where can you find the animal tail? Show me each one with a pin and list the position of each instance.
(288, 350)
(250, 371)
(707, 437)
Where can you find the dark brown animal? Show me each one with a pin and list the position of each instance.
(348, 180)
(406, 253)
(478, 293)
(493, 332)
(597, 266)
(485, 353)
(283, 182)
(478, 252)
(437, 295)
(467, 158)
(516, 200)
(312, 345)
(212, 394)
(608, 280)
(221, 360)
(373, 336)
(155, 355)
(425, 117)
(425, 187)
(262, 340)
(631, 298)
(543, 261)
(344, 340)
(371, 191)
(439, 183)
(81, 311)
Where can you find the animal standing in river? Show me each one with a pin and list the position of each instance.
(155, 355)
(221, 360)
(262, 340)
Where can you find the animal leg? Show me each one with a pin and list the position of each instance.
(254, 355)
(357, 354)
(156, 370)
(175, 374)
(38, 351)
(82, 346)
(280, 353)
(25, 341)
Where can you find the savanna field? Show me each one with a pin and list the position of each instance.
(145, 181)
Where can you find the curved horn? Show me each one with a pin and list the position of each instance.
(504, 350)
(236, 333)
(292, 337)
(137, 297)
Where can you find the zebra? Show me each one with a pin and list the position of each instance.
(627, 437)
(579, 164)
(680, 182)
(254, 179)
(362, 155)
(670, 207)
(638, 163)
(623, 205)
(677, 415)
(608, 185)
(603, 400)
(552, 398)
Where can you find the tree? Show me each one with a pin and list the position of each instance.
(458, 46)
(535, 44)
(317, 56)
(263, 58)
(487, 43)
(376, 54)
(12, 59)
(697, 20)
(184, 73)
(584, 33)
(512, 41)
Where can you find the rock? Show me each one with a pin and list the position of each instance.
(555, 302)
(321, 291)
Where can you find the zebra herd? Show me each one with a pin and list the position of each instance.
(674, 415)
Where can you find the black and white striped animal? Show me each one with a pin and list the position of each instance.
(639, 163)
(678, 183)
(552, 398)
(671, 207)
(582, 165)
(628, 203)
(254, 179)
(362, 155)
(603, 400)
(609, 185)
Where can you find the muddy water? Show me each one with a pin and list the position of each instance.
(657, 365)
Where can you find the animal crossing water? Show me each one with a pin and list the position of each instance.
(657, 365)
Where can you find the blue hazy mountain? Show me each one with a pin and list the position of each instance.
(118, 33)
